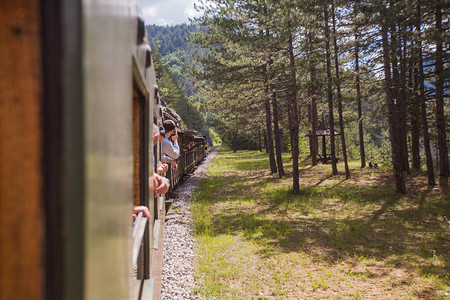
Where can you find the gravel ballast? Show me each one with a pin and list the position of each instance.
(178, 267)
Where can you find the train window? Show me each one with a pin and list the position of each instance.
(156, 94)
(141, 170)
(137, 151)
(148, 57)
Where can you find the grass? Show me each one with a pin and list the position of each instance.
(337, 239)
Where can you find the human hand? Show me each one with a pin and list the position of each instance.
(142, 209)
(175, 136)
(174, 165)
(163, 184)
(162, 168)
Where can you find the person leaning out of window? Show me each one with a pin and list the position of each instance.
(169, 145)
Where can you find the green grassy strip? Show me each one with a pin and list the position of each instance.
(355, 238)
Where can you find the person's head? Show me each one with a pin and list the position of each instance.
(162, 133)
(169, 127)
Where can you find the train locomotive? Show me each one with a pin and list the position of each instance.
(78, 101)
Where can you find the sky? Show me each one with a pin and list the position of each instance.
(168, 12)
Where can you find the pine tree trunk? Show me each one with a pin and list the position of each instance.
(358, 101)
(314, 139)
(395, 147)
(415, 122)
(265, 141)
(235, 147)
(397, 101)
(440, 116)
(330, 92)
(273, 166)
(293, 117)
(397, 92)
(281, 138)
(278, 148)
(339, 96)
(278, 139)
(402, 100)
(423, 105)
(259, 141)
(313, 110)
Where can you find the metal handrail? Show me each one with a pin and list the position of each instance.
(137, 235)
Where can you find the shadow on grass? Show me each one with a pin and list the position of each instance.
(332, 223)
(323, 179)
(402, 237)
(332, 240)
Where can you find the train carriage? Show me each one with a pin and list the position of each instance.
(78, 96)
(78, 102)
(192, 150)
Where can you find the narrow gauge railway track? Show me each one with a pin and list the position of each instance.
(179, 255)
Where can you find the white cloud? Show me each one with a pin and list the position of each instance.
(190, 12)
(149, 11)
(168, 12)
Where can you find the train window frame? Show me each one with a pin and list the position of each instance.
(140, 110)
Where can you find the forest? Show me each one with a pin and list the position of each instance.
(172, 55)
(268, 74)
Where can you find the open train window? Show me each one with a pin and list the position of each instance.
(141, 170)
(140, 175)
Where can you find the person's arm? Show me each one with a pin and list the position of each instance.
(176, 149)
(166, 158)
(171, 150)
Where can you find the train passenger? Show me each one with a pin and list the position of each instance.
(158, 136)
(158, 184)
(170, 151)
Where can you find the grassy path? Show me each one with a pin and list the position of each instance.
(338, 239)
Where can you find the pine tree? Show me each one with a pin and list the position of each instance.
(329, 89)
(392, 118)
(426, 136)
(440, 77)
(339, 95)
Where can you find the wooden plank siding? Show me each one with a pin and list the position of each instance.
(21, 204)
(136, 151)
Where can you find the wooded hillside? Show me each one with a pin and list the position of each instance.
(173, 59)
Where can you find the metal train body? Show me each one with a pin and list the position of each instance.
(78, 100)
